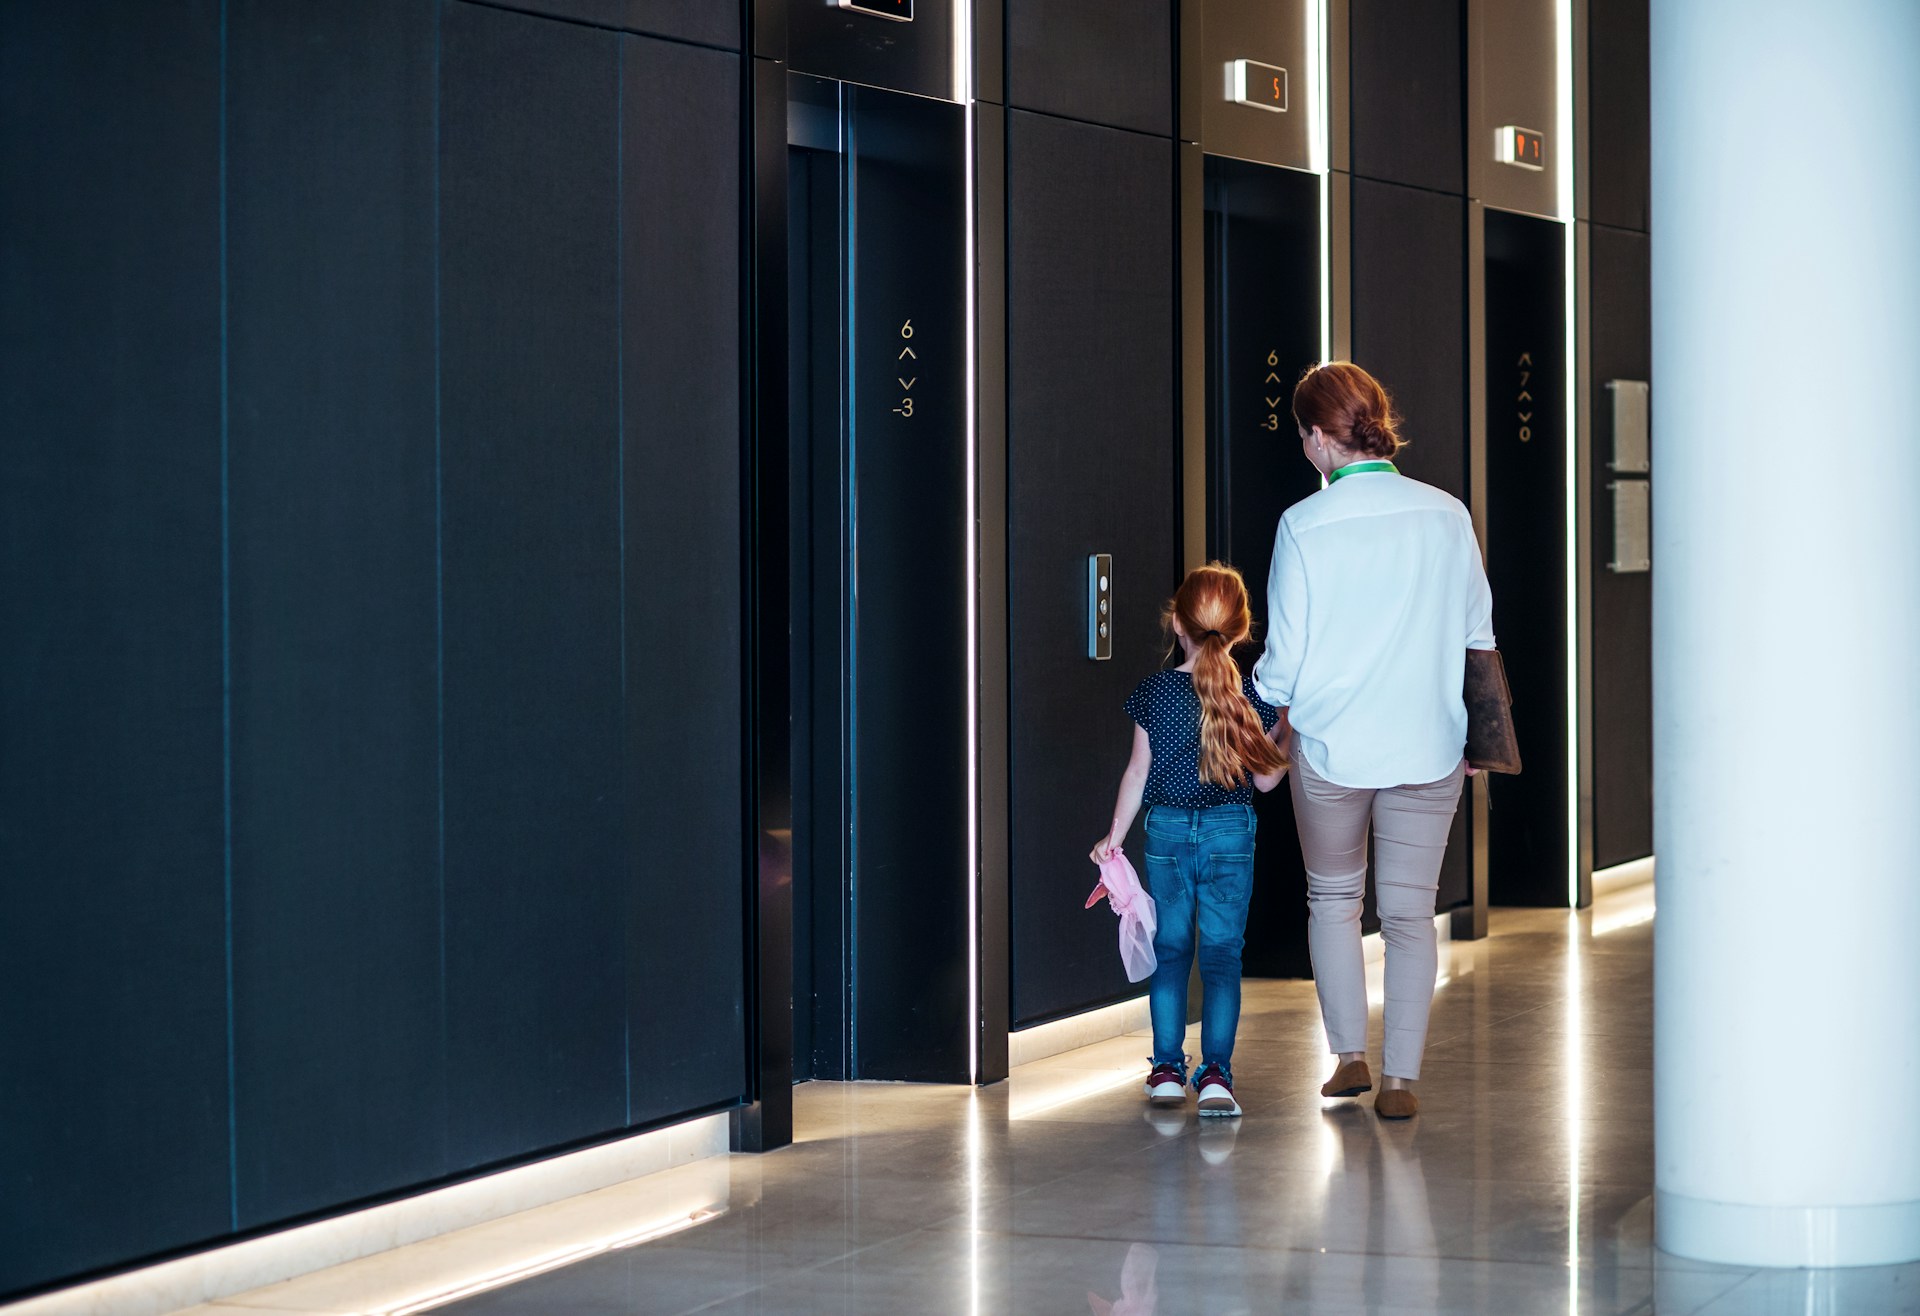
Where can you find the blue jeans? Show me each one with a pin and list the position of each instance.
(1200, 874)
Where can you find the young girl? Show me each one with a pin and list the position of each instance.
(1200, 746)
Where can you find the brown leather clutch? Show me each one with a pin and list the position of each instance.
(1492, 745)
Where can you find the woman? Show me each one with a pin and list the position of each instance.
(1377, 592)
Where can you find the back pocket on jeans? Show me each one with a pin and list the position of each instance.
(1231, 875)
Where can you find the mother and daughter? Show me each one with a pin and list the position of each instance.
(1377, 591)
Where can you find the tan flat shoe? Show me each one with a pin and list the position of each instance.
(1350, 1080)
(1396, 1104)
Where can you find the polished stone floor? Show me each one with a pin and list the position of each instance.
(1523, 1186)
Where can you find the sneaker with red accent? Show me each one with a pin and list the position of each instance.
(1216, 1092)
(1167, 1086)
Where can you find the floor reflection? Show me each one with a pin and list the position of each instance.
(1139, 1294)
(1523, 1185)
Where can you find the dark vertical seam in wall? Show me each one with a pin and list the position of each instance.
(620, 497)
(439, 583)
(226, 666)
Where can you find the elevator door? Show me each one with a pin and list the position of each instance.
(1263, 331)
(877, 422)
(1526, 518)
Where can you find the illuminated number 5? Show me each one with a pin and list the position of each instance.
(1276, 89)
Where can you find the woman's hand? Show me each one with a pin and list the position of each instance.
(1266, 781)
(1104, 849)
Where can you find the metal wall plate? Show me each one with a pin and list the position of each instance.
(1632, 415)
(1100, 606)
(1239, 41)
(1632, 526)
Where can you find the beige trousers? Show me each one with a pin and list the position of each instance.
(1410, 826)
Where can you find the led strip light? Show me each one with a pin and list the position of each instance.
(555, 1260)
(1319, 109)
(1563, 32)
(963, 93)
(1575, 1011)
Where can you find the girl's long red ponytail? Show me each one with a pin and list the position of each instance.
(1213, 610)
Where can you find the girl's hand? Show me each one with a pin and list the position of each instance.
(1104, 849)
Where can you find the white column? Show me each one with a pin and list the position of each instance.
(1786, 387)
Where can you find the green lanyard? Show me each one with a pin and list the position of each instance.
(1362, 468)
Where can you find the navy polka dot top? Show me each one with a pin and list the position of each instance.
(1168, 710)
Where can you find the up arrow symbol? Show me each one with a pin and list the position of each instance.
(1271, 378)
(1524, 396)
(1526, 358)
(906, 352)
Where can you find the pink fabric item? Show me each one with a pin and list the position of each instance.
(1138, 918)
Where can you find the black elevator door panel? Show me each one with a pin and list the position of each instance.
(336, 905)
(818, 568)
(907, 439)
(1527, 549)
(113, 1040)
(680, 411)
(1092, 459)
(1622, 603)
(1103, 61)
(1410, 320)
(1263, 332)
(535, 943)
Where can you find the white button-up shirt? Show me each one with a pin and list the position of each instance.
(1377, 592)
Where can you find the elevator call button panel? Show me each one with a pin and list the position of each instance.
(1263, 86)
(1100, 607)
(1521, 146)
(900, 11)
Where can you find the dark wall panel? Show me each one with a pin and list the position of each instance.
(711, 22)
(113, 1039)
(680, 253)
(1622, 604)
(1104, 61)
(1092, 457)
(336, 778)
(1408, 96)
(1410, 320)
(1619, 132)
(535, 873)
